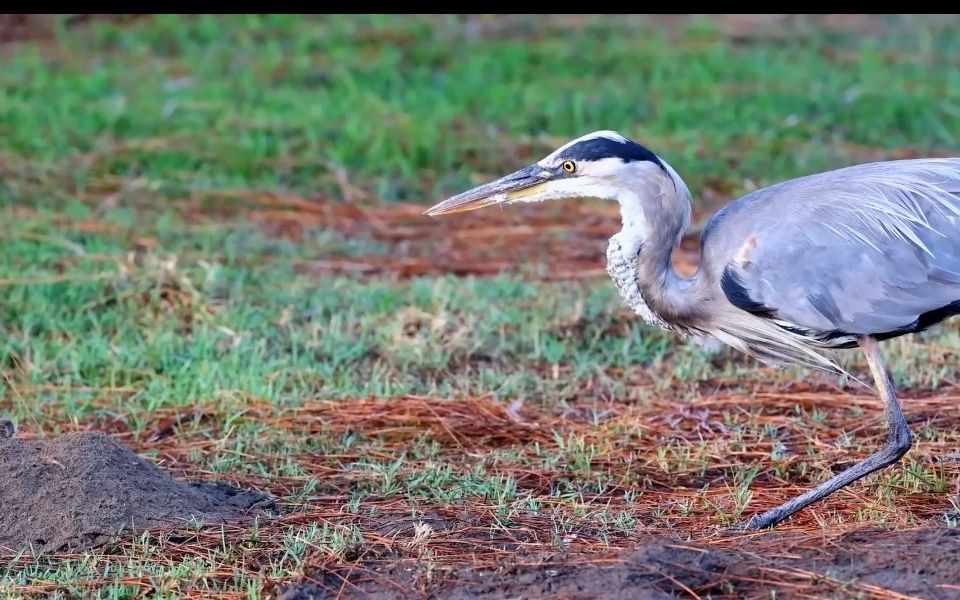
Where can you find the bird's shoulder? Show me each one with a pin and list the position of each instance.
(863, 249)
(875, 195)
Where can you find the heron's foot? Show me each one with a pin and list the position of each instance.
(736, 528)
(7, 429)
(761, 521)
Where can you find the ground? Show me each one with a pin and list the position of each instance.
(213, 255)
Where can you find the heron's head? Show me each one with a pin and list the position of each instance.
(602, 164)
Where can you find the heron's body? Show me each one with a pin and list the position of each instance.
(872, 249)
(833, 260)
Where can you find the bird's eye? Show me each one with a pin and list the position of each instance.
(569, 166)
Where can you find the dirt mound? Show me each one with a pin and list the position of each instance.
(76, 491)
(921, 563)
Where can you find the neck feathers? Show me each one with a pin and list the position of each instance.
(655, 209)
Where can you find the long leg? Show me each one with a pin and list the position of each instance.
(898, 443)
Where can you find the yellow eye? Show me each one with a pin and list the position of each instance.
(569, 166)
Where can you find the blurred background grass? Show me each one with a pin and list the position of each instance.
(411, 106)
(174, 190)
(130, 149)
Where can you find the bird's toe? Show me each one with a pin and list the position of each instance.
(756, 523)
(743, 526)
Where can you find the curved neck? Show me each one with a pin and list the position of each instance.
(655, 210)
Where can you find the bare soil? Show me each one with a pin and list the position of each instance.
(29, 27)
(77, 491)
(919, 563)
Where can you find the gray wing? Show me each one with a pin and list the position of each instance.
(871, 249)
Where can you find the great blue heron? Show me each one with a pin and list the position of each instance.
(838, 259)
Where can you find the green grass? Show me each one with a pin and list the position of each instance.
(133, 283)
(266, 102)
(199, 331)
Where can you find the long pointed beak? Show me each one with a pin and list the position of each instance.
(519, 184)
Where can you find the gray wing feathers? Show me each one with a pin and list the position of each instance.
(862, 250)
